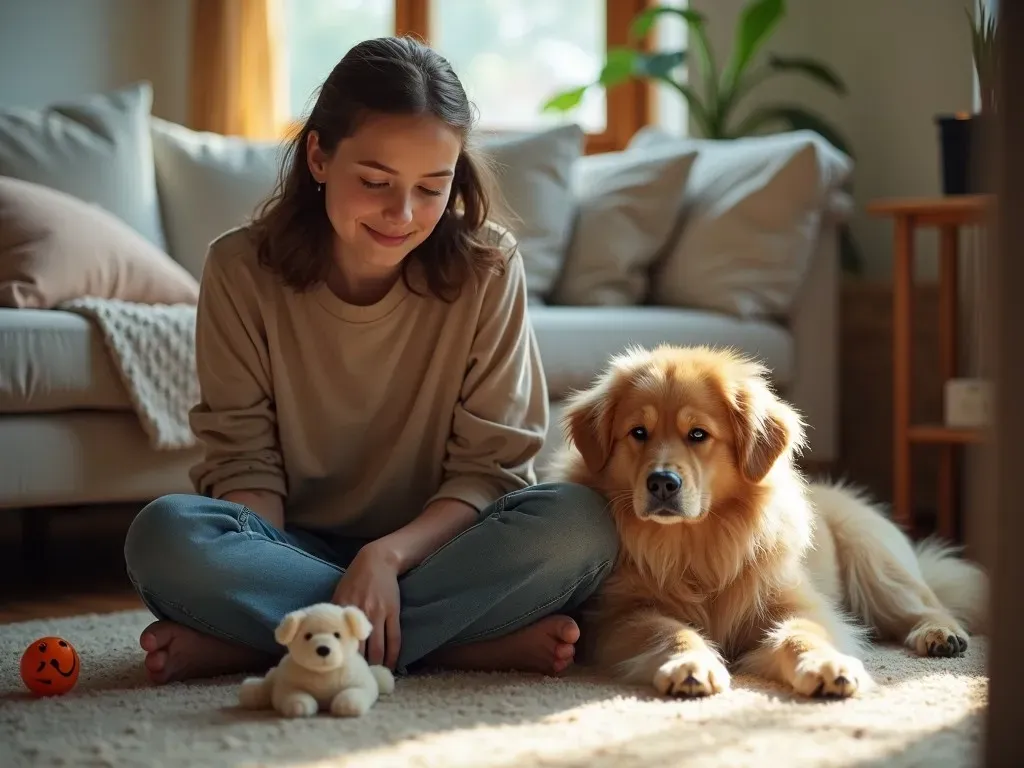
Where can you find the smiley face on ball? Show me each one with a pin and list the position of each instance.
(50, 666)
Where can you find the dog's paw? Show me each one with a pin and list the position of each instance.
(352, 702)
(694, 673)
(298, 705)
(829, 674)
(938, 638)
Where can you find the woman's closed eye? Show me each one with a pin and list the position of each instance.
(383, 184)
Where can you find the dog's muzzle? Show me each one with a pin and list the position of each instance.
(664, 494)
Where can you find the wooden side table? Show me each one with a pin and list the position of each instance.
(948, 215)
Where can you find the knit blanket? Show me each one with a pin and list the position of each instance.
(153, 349)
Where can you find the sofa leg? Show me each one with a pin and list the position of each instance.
(35, 526)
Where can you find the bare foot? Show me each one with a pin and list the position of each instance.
(175, 652)
(548, 647)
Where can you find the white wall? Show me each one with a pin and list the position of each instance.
(59, 49)
(904, 62)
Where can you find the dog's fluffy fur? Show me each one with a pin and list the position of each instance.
(323, 669)
(729, 557)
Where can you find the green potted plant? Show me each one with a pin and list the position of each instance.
(713, 112)
(961, 134)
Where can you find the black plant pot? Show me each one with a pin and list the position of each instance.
(961, 143)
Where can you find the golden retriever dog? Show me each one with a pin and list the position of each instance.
(729, 557)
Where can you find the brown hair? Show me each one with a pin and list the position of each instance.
(395, 75)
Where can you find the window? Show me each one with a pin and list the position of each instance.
(317, 34)
(513, 54)
(510, 54)
(670, 108)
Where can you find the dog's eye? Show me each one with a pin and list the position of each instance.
(338, 635)
(696, 435)
(309, 635)
(639, 433)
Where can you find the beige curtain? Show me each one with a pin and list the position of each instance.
(237, 86)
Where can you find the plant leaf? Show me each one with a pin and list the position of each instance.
(757, 22)
(813, 68)
(795, 119)
(620, 65)
(644, 21)
(658, 65)
(566, 100)
(698, 110)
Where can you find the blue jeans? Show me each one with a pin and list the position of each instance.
(217, 567)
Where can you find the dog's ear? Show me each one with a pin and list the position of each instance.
(587, 423)
(289, 627)
(766, 428)
(357, 623)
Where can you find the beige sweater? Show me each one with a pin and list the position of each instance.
(359, 416)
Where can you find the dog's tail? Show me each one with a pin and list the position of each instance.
(890, 582)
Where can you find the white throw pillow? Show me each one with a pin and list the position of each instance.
(535, 179)
(96, 148)
(752, 214)
(209, 184)
(628, 206)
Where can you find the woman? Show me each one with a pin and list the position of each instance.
(372, 403)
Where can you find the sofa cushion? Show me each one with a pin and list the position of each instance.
(575, 342)
(534, 174)
(86, 457)
(208, 184)
(628, 204)
(96, 148)
(750, 224)
(51, 360)
(55, 247)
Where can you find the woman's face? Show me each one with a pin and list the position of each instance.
(387, 186)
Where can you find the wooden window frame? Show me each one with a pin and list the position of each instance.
(630, 106)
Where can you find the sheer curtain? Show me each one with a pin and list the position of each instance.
(236, 84)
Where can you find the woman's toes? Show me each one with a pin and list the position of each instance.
(565, 651)
(157, 635)
(156, 661)
(568, 631)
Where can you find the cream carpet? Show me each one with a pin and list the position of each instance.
(924, 712)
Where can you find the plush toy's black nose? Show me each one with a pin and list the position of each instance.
(322, 650)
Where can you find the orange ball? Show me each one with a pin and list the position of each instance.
(50, 666)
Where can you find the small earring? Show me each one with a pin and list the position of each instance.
(320, 187)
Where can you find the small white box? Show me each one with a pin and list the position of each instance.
(968, 403)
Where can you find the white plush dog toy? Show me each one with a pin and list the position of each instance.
(323, 669)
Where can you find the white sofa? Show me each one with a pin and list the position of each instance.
(70, 436)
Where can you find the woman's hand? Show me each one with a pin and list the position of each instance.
(371, 584)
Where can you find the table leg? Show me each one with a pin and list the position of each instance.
(948, 304)
(902, 322)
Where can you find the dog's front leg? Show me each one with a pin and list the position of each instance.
(651, 648)
(802, 649)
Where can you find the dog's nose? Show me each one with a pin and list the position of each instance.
(663, 484)
(322, 650)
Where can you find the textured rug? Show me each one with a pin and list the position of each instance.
(923, 712)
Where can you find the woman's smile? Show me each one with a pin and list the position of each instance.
(384, 239)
